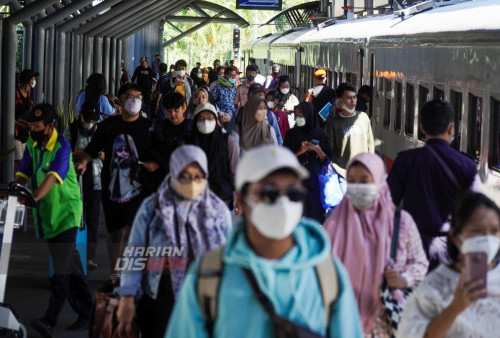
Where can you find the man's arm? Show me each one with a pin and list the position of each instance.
(45, 187)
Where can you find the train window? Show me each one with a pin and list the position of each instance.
(387, 108)
(329, 78)
(380, 82)
(494, 159)
(341, 77)
(354, 79)
(474, 130)
(399, 105)
(456, 102)
(423, 97)
(410, 109)
(335, 80)
(438, 94)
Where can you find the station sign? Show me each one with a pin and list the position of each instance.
(260, 4)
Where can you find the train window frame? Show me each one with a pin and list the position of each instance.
(329, 78)
(438, 93)
(456, 100)
(410, 109)
(387, 103)
(335, 80)
(472, 117)
(398, 111)
(422, 90)
(494, 145)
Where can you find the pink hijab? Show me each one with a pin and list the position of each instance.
(362, 240)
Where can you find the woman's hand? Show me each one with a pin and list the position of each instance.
(317, 149)
(151, 166)
(125, 316)
(466, 294)
(303, 149)
(394, 279)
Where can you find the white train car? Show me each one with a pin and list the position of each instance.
(451, 52)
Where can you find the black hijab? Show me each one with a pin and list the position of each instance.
(311, 130)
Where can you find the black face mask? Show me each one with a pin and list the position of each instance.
(250, 78)
(38, 136)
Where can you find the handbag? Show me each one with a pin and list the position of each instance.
(393, 307)
(103, 320)
(332, 187)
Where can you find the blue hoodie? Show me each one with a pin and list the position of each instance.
(290, 283)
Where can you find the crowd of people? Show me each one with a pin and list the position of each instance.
(227, 168)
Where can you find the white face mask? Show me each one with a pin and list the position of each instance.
(190, 190)
(133, 106)
(270, 104)
(489, 244)
(277, 220)
(181, 73)
(206, 127)
(350, 111)
(300, 121)
(362, 195)
(88, 125)
(200, 75)
(33, 84)
(284, 91)
(260, 115)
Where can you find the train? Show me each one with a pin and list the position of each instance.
(450, 52)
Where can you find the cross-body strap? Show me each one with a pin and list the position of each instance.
(395, 234)
(208, 282)
(328, 284)
(445, 167)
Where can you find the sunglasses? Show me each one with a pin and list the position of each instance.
(269, 194)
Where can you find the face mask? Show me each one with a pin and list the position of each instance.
(200, 75)
(181, 73)
(277, 220)
(206, 127)
(190, 190)
(250, 78)
(284, 91)
(87, 125)
(350, 111)
(300, 121)
(260, 115)
(232, 81)
(38, 136)
(270, 104)
(362, 195)
(133, 106)
(489, 244)
(33, 84)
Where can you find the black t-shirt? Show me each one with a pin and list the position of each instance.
(144, 77)
(124, 145)
(23, 108)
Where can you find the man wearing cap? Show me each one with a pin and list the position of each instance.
(268, 276)
(48, 164)
(258, 90)
(144, 76)
(24, 103)
(272, 80)
(321, 94)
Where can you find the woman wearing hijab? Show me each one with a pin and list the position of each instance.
(201, 95)
(221, 149)
(251, 130)
(361, 229)
(310, 145)
(183, 214)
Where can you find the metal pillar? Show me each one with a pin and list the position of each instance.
(59, 76)
(39, 63)
(27, 45)
(112, 66)
(97, 54)
(106, 61)
(87, 57)
(118, 58)
(76, 69)
(49, 66)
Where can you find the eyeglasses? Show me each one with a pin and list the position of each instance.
(269, 194)
(186, 179)
(131, 97)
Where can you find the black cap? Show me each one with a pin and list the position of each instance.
(144, 58)
(26, 75)
(256, 88)
(41, 112)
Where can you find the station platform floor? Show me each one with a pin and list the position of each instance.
(28, 283)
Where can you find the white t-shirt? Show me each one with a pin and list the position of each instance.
(436, 292)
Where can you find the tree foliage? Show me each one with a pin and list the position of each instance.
(215, 41)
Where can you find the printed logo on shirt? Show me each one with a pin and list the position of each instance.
(123, 162)
(353, 130)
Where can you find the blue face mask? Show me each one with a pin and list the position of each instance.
(232, 81)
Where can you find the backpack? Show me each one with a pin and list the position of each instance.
(210, 274)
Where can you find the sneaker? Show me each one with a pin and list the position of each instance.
(81, 324)
(91, 265)
(42, 327)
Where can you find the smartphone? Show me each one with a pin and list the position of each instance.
(323, 113)
(476, 268)
(315, 142)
